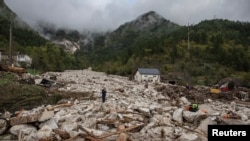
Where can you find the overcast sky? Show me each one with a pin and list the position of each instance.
(110, 14)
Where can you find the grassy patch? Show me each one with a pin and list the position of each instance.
(15, 96)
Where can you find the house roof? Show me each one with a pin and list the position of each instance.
(149, 71)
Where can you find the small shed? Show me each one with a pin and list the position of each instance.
(147, 75)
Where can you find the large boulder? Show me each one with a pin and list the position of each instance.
(177, 115)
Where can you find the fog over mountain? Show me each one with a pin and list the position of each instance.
(103, 15)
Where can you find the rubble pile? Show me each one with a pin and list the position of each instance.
(131, 112)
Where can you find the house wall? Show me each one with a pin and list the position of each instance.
(146, 77)
(150, 78)
(138, 76)
(24, 58)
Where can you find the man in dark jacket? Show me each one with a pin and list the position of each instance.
(104, 95)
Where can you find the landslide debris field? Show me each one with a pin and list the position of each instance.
(67, 106)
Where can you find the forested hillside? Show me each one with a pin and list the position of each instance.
(218, 48)
(46, 56)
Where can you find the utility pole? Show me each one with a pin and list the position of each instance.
(188, 37)
(10, 46)
(188, 59)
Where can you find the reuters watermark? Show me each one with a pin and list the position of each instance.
(241, 132)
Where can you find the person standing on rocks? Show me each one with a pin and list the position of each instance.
(104, 94)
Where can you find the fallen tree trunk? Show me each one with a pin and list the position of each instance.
(13, 69)
(60, 105)
(111, 133)
(41, 116)
(122, 136)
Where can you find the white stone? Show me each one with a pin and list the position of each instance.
(184, 100)
(22, 127)
(51, 123)
(46, 115)
(124, 103)
(44, 132)
(204, 125)
(68, 126)
(89, 122)
(188, 137)
(144, 110)
(243, 116)
(177, 115)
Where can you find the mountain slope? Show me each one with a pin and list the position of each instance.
(217, 48)
(22, 33)
(132, 38)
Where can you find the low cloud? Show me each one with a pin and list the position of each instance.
(103, 15)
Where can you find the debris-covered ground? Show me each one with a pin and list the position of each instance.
(132, 112)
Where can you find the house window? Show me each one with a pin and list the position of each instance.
(21, 58)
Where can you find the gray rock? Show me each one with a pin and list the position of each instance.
(3, 126)
(51, 123)
(188, 137)
(177, 115)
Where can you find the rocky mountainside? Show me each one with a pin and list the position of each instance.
(87, 42)
(149, 21)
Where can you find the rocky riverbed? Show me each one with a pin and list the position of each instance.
(131, 111)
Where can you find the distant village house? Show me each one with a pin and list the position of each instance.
(24, 58)
(17, 58)
(147, 75)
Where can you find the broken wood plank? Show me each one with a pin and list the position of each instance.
(124, 120)
(72, 138)
(20, 113)
(111, 133)
(182, 126)
(93, 139)
(41, 116)
(60, 105)
(120, 131)
(24, 119)
(107, 121)
(122, 136)
(126, 112)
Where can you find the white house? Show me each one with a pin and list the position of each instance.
(147, 75)
(24, 58)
